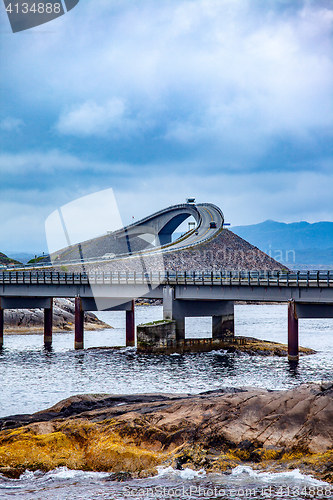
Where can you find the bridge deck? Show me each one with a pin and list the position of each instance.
(309, 294)
(321, 279)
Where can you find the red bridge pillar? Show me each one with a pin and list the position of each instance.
(130, 327)
(292, 332)
(48, 317)
(1, 325)
(79, 324)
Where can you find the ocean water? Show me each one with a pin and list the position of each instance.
(33, 379)
(242, 483)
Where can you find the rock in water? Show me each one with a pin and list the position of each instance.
(218, 430)
(23, 320)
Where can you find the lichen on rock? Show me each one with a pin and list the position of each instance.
(269, 430)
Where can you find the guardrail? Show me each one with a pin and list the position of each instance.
(321, 279)
(156, 214)
(216, 208)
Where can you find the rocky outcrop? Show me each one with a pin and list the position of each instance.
(216, 430)
(152, 340)
(23, 320)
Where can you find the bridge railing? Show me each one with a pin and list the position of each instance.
(215, 278)
(158, 213)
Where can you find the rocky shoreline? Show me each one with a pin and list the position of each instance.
(217, 430)
(31, 321)
(233, 343)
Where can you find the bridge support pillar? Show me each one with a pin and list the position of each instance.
(180, 328)
(222, 312)
(172, 309)
(48, 317)
(79, 324)
(223, 325)
(130, 327)
(1, 326)
(292, 332)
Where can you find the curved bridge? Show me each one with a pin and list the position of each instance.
(162, 224)
(150, 234)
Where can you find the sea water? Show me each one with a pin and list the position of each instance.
(33, 379)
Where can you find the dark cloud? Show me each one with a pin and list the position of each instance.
(236, 93)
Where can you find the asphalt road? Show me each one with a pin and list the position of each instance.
(208, 213)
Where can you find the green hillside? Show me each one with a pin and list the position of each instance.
(4, 260)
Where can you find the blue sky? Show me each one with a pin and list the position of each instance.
(229, 101)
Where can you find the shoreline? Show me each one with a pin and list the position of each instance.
(31, 321)
(216, 431)
(39, 330)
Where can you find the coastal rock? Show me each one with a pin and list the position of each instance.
(63, 318)
(216, 430)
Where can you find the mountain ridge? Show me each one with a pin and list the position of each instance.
(296, 244)
(301, 235)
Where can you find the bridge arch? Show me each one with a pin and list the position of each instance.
(163, 223)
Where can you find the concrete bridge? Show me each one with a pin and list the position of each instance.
(308, 294)
(163, 223)
(146, 236)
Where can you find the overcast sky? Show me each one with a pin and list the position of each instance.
(229, 101)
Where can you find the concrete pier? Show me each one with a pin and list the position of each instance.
(222, 312)
(79, 324)
(130, 327)
(293, 354)
(156, 336)
(224, 325)
(48, 320)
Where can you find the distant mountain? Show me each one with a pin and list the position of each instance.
(300, 235)
(299, 245)
(21, 256)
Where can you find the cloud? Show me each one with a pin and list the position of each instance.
(23, 224)
(244, 198)
(36, 162)
(90, 118)
(56, 162)
(226, 100)
(229, 77)
(11, 124)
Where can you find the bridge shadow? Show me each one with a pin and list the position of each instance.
(225, 361)
(293, 369)
(48, 348)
